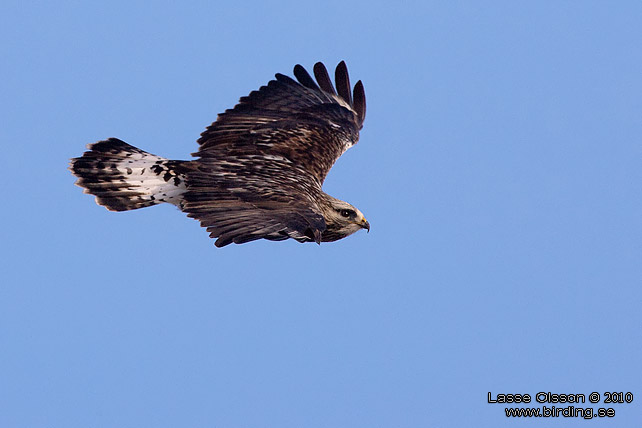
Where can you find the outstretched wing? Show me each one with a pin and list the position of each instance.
(308, 123)
(237, 221)
(263, 162)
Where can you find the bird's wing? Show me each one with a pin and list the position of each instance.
(308, 123)
(235, 221)
(263, 162)
(242, 200)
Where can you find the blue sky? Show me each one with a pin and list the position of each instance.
(499, 167)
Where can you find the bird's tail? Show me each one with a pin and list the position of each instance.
(123, 177)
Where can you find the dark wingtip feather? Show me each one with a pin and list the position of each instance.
(343, 82)
(220, 242)
(359, 97)
(283, 78)
(304, 77)
(323, 78)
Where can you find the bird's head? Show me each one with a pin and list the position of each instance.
(342, 219)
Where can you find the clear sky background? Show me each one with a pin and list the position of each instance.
(499, 167)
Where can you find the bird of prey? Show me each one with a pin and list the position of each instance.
(260, 166)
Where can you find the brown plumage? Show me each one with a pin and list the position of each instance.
(260, 166)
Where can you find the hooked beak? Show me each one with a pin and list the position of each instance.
(365, 225)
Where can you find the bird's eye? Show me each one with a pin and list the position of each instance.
(345, 213)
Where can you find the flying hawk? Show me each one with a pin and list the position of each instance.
(259, 168)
